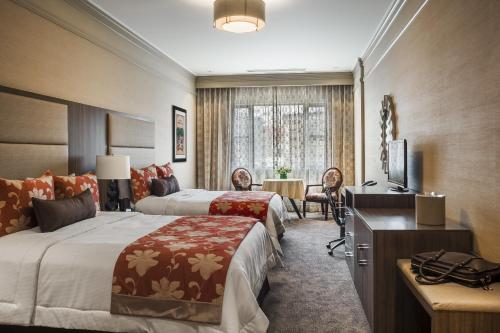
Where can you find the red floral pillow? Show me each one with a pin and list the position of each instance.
(152, 170)
(69, 186)
(16, 212)
(141, 181)
(164, 171)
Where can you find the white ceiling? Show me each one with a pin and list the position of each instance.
(314, 35)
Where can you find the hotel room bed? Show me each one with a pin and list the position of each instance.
(197, 201)
(64, 278)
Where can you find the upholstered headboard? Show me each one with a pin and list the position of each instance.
(33, 137)
(133, 137)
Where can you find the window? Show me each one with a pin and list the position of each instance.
(281, 126)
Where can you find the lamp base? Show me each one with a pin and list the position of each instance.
(124, 204)
(112, 200)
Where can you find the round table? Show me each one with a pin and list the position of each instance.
(292, 188)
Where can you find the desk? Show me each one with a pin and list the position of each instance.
(290, 188)
(375, 239)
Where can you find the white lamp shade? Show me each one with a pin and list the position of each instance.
(113, 167)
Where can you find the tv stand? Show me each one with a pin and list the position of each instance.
(399, 189)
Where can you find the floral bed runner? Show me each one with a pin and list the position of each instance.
(242, 203)
(179, 271)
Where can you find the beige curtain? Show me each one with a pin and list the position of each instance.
(213, 138)
(342, 125)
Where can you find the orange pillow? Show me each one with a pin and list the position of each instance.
(69, 186)
(141, 182)
(16, 210)
(164, 171)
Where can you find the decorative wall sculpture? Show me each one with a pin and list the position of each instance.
(387, 128)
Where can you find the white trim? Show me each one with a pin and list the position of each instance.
(76, 16)
(121, 28)
(386, 22)
(398, 18)
(396, 39)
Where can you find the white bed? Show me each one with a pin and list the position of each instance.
(197, 201)
(64, 278)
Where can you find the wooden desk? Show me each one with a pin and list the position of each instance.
(375, 239)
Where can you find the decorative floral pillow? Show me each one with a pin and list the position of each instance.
(164, 171)
(16, 210)
(69, 186)
(141, 182)
(152, 169)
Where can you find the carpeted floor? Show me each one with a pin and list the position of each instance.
(314, 292)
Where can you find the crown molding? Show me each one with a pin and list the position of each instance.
(267, 80)
(94, 25)
(386, 22)
(397, 19)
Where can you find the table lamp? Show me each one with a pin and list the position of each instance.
(112, 168)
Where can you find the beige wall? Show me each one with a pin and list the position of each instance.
(41, 56)
(444, 75)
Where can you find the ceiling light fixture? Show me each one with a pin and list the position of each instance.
(239, 16)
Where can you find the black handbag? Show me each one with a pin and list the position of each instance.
(466, 269)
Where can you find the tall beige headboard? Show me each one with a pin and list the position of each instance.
(33, 137)
(133, 137)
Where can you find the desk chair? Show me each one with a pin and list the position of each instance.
(338, 212)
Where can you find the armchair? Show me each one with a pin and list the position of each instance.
(331, 179)
(242, 180)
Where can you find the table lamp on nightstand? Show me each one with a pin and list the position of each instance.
(112, 168)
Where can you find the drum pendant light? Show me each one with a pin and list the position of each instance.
(239, 16)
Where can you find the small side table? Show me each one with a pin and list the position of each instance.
(445, 308)
(292, 188)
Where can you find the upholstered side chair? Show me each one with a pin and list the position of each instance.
(331, 179)
(242, 180)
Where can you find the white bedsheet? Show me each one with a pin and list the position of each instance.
(197, 202)
(75, 276)
(19, 264)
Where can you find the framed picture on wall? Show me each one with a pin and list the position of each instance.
(179, 133)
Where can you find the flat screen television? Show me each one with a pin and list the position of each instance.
(398, 168)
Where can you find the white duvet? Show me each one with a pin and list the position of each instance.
(197, 202)
(63, 279)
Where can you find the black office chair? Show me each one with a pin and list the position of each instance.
(338, 212)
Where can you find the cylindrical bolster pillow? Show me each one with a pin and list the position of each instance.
(54, 214)
(165, 186)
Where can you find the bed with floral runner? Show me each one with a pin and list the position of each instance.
(265, 206)
(206, 270)
(197, 201)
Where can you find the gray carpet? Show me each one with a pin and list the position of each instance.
(314, 292)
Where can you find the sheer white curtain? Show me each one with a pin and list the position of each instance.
(282, 126)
